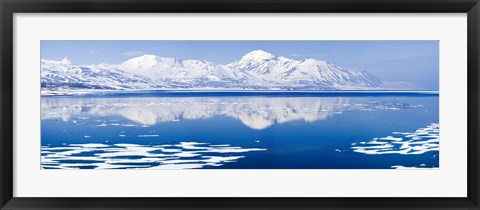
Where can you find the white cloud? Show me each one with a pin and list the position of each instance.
(133, 53)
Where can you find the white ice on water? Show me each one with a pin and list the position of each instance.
(408, 143)
(184, 155)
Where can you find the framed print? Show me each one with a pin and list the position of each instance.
(239, 105)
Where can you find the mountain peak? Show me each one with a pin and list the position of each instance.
(140, 62)
(258, 55)
(66, 61)
(145, 57)
(313, 61)
(151, 63)
(152, 59)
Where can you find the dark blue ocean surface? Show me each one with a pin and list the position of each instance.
(230, 130)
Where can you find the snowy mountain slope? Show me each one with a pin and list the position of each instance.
(308, 73)
(263, 64)
(189, 73)
(257, 70)
(63, 74)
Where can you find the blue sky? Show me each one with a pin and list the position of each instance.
(414, 62)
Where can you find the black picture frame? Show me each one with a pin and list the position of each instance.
(10, 7)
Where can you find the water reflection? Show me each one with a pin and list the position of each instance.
(254, 112)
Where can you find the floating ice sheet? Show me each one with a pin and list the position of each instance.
(184, 155)
(421, 166)
(406, 143)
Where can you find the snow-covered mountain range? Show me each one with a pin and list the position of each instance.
(257, 70)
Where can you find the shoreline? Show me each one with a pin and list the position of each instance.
(226, 92)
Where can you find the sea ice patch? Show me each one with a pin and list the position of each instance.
(422, 166)
(407, 143)
(184, 155)
(147, 135)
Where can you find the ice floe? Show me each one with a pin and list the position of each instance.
(421, 166)
(406, 143)
(183, 155)
(146, 136)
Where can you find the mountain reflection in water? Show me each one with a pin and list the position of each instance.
(255, 112)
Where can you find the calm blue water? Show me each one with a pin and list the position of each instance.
(179, 130)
